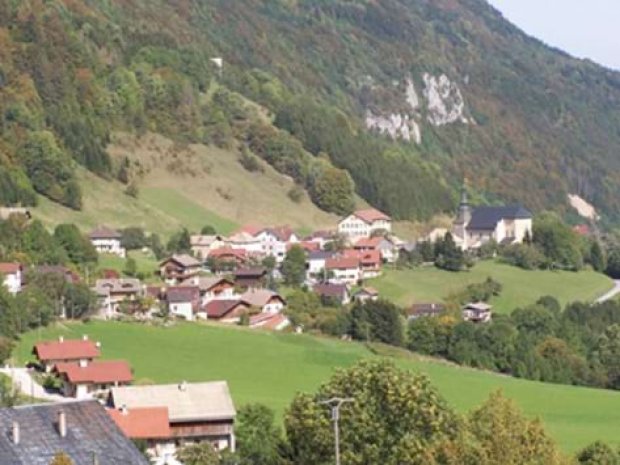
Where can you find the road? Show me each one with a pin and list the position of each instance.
(611, 294)
(29, 387)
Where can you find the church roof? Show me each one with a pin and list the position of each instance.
(486, 218)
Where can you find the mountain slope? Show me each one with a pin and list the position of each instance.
(402, 97)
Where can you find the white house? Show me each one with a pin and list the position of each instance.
(477, 312)
(363, 223)
(213, 288)
(315, 263)
(13, 275)
(275, 240)
(106, 240)
(245, 241)
(265, 300)
(203, 244)
(183, 301)
(344, 270)
(474, 227)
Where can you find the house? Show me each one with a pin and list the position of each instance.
(366, 294)
(344, 270)
(315, 263)
(308, 246)
(114, 292)
(197, 412)
(49, 353)
(265, 300)
(425, 310)
(369, 262)
(275, 240)
(363, 223)
(330, 293)
(34, 434)
(106, 240)
(13, 276)
(202, 245)
(227, 311)
(229, 258)
(477, 312)
(85, 379)
(322, 238)
(183, 301)
(179, 268)
(149, 424)
(270, 321)
(212, 288)
(474, 227)
(69, 276)
(250, 278)
(245, 241)
(387, 249)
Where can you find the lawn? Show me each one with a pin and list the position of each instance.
(270, 368)
(146, 263)
(520, 287)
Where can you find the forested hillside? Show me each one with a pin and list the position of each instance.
(397, 100)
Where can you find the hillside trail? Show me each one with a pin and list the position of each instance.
(611, 294)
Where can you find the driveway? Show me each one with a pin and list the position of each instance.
(611, 294)
(23, 381)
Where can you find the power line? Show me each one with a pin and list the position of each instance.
(334, 404)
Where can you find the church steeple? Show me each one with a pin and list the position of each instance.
(463, 215)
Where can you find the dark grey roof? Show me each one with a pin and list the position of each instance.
(320, 255)
(331, 290)
(486, 218)
(90, 430)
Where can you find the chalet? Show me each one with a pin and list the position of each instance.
(87, 379)
(369, 262)
(183, 301)
(197, 412)
(108, 241)
(246, 242)
(366, 294)
(250, 278)
(264, 300)
(12, 276)
(149, 424)
(202, 245)
(275, 240)
(34, 434)
(213, 288)
(474, 227)
(344, 270)
(229, 257)
(387, 249)
(227, 311)
(179, 268)
(425, 310)
(315, 262)
(333, 293)
(364, 223)
(114, 292)
(49, 353)
(477, 312)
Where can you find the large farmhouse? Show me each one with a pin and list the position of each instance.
(363, 223)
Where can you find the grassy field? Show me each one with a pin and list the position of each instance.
(145, 263)
(270, 368)
(520, 287)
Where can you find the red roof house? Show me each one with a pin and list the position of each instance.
(371, 215)
(50, 353)
(82, 379)
(143, 422)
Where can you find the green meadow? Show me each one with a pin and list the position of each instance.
(270, 368)
(520, 287)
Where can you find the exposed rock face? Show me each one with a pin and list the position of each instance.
(443, 102)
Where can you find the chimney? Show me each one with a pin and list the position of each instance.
(95, 458)
(98, 345)
(124, 410)
(62, 424)
(83, 363)
(15, 433)
(183, 386)
(85, 337)
(61, 339)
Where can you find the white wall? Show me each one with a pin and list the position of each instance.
(13, 282)
(111, 246)
(183, 309)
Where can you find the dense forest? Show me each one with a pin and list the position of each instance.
(73, 72)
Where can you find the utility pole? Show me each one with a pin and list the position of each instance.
(334, 404)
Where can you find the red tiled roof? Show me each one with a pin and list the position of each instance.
(308, 246)
(66, 350)
(371, 215)
(368, 243)
(220, 308)
(103, 372)
(240, 254)
(582, 229)
(283, 233)
(143, 423)
(367, 257)
(342, 263)
(251, 229)
(274, 321)
(9, 268)
(111, 274)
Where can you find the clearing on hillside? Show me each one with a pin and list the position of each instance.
(520, 287)
(270, 368)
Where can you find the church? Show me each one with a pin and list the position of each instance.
(473, 226)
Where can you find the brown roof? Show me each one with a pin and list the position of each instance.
(220, 308)
(103, 232)
(342, 263)
(142, 423)
(223, 252)
(425, 309)
(205, 284)
(260, 297)
(103, 372)
(282, 233)
(368, 290)
(368, 242)
(184, 260)
(250, 273)
(9, 268)
(371, 215)
(331, 290)
(66, 350)
(178, 294)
